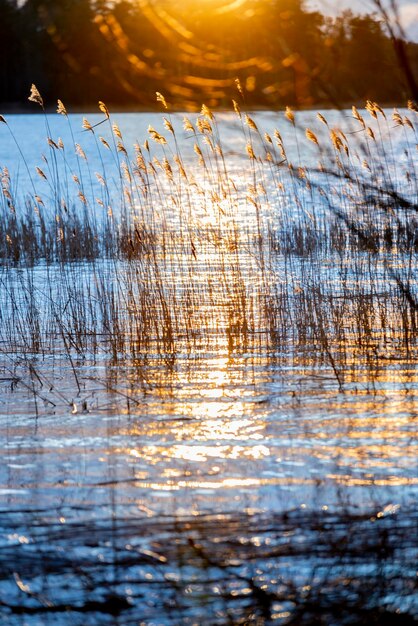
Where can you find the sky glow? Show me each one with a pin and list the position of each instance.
(408, 11)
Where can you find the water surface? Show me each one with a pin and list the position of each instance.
(257, 464)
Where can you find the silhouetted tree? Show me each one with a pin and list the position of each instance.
(122, 52)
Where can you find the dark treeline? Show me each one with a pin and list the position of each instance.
(123, 52)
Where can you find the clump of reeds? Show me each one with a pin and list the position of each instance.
(179, 253)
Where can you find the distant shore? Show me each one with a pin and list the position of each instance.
(29, 109)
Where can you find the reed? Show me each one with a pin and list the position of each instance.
(163, 251)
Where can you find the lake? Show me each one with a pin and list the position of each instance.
(208, 369)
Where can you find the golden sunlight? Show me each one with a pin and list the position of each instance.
(220, 7)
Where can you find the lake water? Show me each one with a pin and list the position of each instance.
(221, 430)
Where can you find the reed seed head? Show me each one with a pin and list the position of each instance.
(236, 108)
(104, 142)
(357, 116)
(250, 151)
(80, 152)
(371, 133)
(397, 118)
(322, 119)
(250, 123)
(239, 87)
(278, 137)
(289, 115)
(311, 136)
(187, 125)
(168, 125)
(379, 109)
(336, 141)
(61, 108)
(370, 107)
(156, 136)
(103, 108)
(408, 123)
(87, 125)
(41, 173)
(116, 131)
(203, 125)
(35, 96)
(179, 163)
(160, 98)
(207, 112)
(100, 179)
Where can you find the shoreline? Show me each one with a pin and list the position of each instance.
(30, 109)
